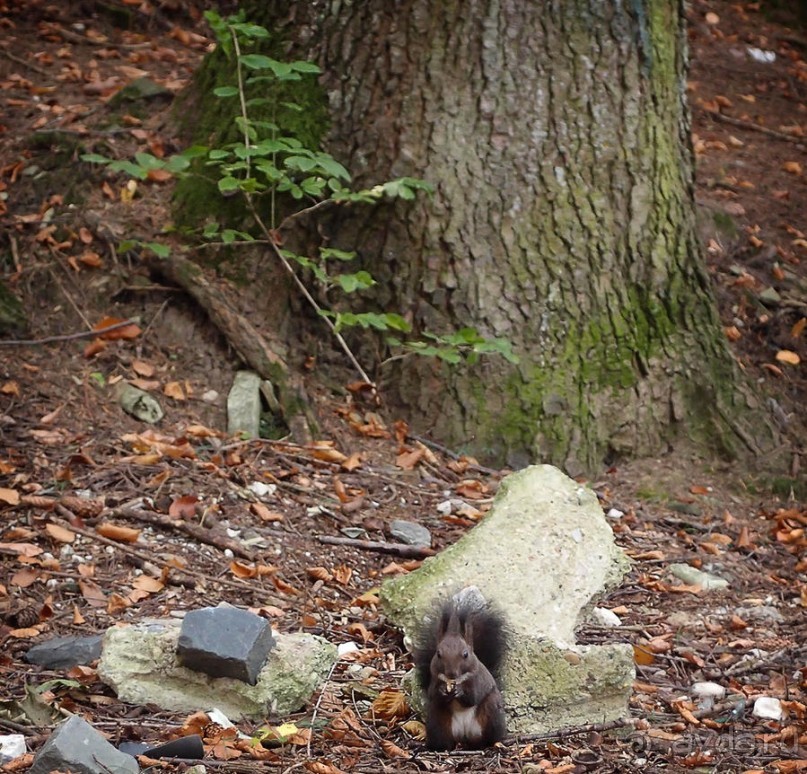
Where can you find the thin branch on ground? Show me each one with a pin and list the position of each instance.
(756, 128)
(396, 549)
(66, 336)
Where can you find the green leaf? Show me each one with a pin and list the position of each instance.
(449, 355)
(299, 162)
(159, 249)
(177, 163)
(225, 91)
(332, 167)
(350, 283)
(326, 253)
(228, 184)
(147, 161)
(396, 322)
(396, 189)
(313, 186)
(269, 169)
(305, 67)
(257, 61)
(134, 170)
(230, 235)
(95, 158)
(253, 31)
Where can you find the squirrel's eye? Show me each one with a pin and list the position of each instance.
(465, 654)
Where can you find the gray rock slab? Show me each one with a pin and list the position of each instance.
(543, 555)
(225, 642)
(65, 652)
(244, 404)
(138, 403)
(75, 746)
(695, 577)
(140, 663)
(410, 533)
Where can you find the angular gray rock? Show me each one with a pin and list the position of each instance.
(543, 555)
(244, 404)
(138, 403)
(140, 663)
(65, 652)
(225, 642)
(410, 533)
(75, 746)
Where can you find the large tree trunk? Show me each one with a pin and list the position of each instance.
(557, 136)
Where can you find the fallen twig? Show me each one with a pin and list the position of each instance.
(201, 534)
(20, 60)
(396, 549)
(755, 127)
(587, 728)
(199, 577)
(66, 336)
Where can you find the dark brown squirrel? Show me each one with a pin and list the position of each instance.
(457, 665)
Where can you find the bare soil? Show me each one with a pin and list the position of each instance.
(77, 463)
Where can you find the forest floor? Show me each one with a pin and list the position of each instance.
(70, 460)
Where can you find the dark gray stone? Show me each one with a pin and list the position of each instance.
(75, 746)
(411, 533)
(225, 642)
(65, 652)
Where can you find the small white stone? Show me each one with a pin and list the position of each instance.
(444, 508)
(768, 707)
(615, 513)
(261, 489)
(347, 647)
(606, 617)
(219, 718)
(11, 747)
(758, 55)
(228, 553)
(706, 689)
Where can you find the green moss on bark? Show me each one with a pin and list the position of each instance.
(207, 120)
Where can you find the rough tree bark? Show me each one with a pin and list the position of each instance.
(557, 136)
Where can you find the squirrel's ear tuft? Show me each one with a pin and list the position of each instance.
(446, 621)
(468, 629)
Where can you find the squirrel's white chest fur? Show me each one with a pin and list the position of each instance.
(464, 725)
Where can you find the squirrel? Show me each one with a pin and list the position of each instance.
(457, 664)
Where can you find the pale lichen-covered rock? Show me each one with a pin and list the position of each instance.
(140, 663)
(543, 555)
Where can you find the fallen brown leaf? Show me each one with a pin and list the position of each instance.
(116, 532)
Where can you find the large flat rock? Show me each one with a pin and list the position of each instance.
(140, 663)
(543, 555)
